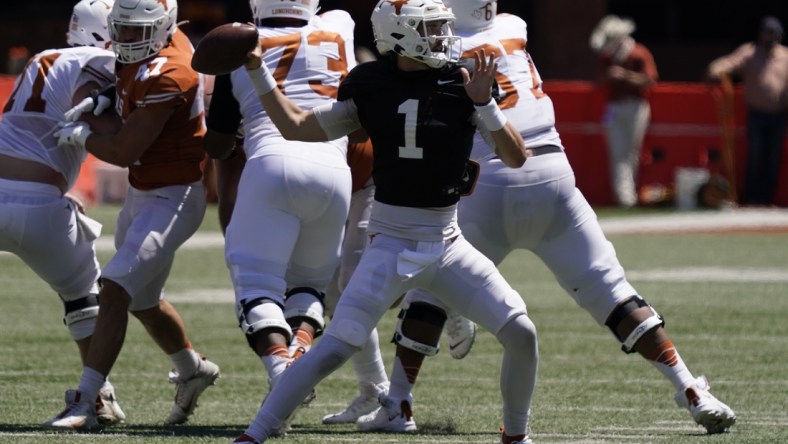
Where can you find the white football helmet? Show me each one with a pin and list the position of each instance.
(473, 15)
(141, 28)
(297, 9)
(421, 30)
(89, 24)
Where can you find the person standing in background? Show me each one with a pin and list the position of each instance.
(763, 68)
(626, 69)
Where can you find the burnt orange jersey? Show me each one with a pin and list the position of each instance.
(166, 81)
(359, 158)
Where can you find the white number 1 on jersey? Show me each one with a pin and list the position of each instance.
(410, 108)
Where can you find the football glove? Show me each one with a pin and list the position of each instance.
(98, 102)
(73, 134)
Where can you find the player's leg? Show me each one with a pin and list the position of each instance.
(480, 220)
(228, 174)
(593, 276)
(59, 247)
(417, 335)
(618, 131)
(323, 206)
(470, 284)
(357, 312)
(258, 259)
(367, 363)
(164, 218)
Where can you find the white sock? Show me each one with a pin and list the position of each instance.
(186, 362)
(90, 384)
(275, 364)
(368, 364)
(400, 387)
(668, 361)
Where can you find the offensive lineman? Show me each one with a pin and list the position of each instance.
(283, 240)
(538, 208)
(420, 111)
(38, 221)
(160, 99)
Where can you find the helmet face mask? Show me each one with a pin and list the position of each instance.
(294, 9)
(422, 30)
(473, 15)
(88, 25)
(141, 28)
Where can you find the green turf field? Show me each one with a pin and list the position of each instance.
(724, 297)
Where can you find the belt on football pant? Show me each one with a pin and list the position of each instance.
(547, 149)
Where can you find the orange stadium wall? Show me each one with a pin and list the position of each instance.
(685, 132)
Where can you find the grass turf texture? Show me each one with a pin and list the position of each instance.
(731, 329)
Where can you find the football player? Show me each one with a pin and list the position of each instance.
(538, 208)
(283, 240)
(40, 222)
(160, 100)
(421, 111)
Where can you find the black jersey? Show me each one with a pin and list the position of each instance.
(421, 128)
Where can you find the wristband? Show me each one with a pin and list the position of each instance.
(491, 115)
(262, 80)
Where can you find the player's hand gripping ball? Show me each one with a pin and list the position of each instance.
(224, 48)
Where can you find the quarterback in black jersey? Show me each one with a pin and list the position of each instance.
(421, 111)
(430, 106)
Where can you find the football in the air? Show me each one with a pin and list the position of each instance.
(224, 48)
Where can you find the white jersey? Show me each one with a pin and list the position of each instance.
(41, 95)
(523, 102)
(308, 64)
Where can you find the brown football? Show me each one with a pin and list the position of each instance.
(224, 48)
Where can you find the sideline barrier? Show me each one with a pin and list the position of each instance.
(685, 132)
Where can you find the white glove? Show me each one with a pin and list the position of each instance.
(96, 104)
(73, 134)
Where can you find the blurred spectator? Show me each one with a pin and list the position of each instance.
(627, 70)
(763, 68)
(17, 58)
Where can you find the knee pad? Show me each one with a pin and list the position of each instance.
(622, 311)
(306, 302)
(349, 331)
(80, 316)
(421, 312)
(260, 314)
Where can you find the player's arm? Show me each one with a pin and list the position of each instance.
(103, 123)
(223, 120)
(507, 141)
(293, 122)
(138, 132)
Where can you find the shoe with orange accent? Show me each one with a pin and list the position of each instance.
(706, 410)
(517, 439)
(79, 415)
(108, 411)
(365, 403)
(520, 440)
(245, 439)
(189, 390)
(394, 415)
